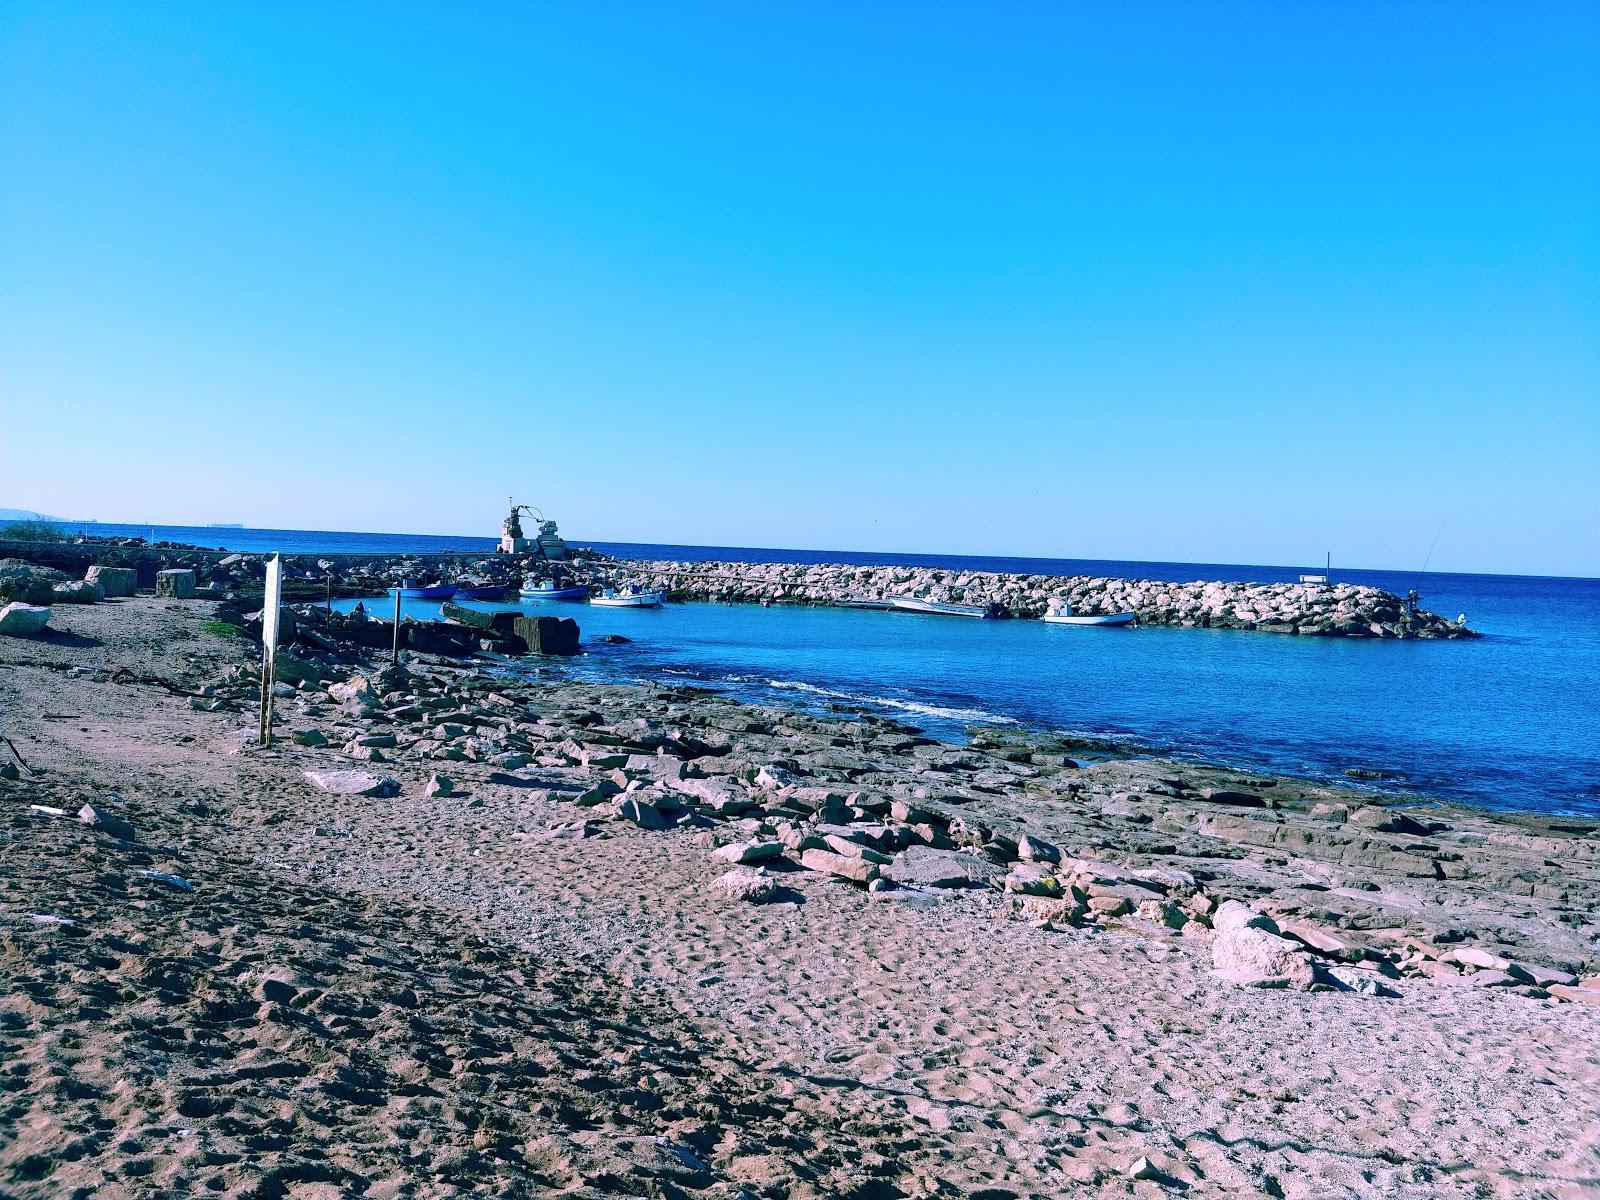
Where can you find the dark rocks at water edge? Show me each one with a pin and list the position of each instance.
(314, 633)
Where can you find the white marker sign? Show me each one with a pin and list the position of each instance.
(270, 603)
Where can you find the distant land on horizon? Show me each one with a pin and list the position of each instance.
(24, 514)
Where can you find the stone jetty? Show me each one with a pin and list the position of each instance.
(1333, 610)
(1330, 610)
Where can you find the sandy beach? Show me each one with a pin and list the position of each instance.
(514, 985)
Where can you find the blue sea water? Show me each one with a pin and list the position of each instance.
(1508, 721)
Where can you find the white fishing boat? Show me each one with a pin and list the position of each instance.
(944, 608)
(628, 597)
(1060, 613)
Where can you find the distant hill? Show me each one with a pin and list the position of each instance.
(23, 514)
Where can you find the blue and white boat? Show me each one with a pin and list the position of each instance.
(409, 589)
(546, 590)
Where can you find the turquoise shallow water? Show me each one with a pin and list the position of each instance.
(1510, 721)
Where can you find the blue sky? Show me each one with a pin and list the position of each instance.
(1214, 282)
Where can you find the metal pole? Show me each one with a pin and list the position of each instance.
(397, 592)
(264, 733)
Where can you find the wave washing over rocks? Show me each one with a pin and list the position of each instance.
(465, 933)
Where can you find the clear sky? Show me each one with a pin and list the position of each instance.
(1216, 282)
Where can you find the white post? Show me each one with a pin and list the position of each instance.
(271, 600)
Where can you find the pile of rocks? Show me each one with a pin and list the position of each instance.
(335, 640)
(29, 583)
(1335, 610)
(238, 577)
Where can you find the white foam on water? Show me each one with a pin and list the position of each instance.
(914, 706)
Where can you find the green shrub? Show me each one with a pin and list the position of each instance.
(34, 530)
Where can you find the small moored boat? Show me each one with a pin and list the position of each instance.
(411, 590)
(491, 594)
(1062, 614)
(944, 608)
(628, 597)
(546, 590)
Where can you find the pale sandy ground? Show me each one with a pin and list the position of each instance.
(473, 1013)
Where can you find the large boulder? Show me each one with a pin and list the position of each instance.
(751, 884)
(23, 620)
(77, 591)
(25, 582)
(548, 635)
(643, 813)
(438, 637)
(287, 668)
(176, 583)
(1232, 915)
(1249, 955)
(358, 696)
(117, 581)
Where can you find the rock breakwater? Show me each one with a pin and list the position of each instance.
(1332, 610)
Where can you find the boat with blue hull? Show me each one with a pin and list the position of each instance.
(490, 595)
(546, 590)
(409, 590)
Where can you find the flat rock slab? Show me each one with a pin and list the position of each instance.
(748, 852)
(920, 866)
(857, 870)
(354, 783)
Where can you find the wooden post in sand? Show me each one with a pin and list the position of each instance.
(271, 600)
(396, 658)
